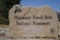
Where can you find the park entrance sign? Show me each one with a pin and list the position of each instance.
(32, 22)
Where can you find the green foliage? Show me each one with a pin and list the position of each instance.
(5, 6)
(4, 21)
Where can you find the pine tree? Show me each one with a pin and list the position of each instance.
(5, 6)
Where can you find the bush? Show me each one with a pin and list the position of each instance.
(4, 21)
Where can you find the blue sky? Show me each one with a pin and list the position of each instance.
(54, 4)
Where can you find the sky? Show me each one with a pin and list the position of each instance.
(54, 4)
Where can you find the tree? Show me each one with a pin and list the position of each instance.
(5, 6)
(58, 14)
